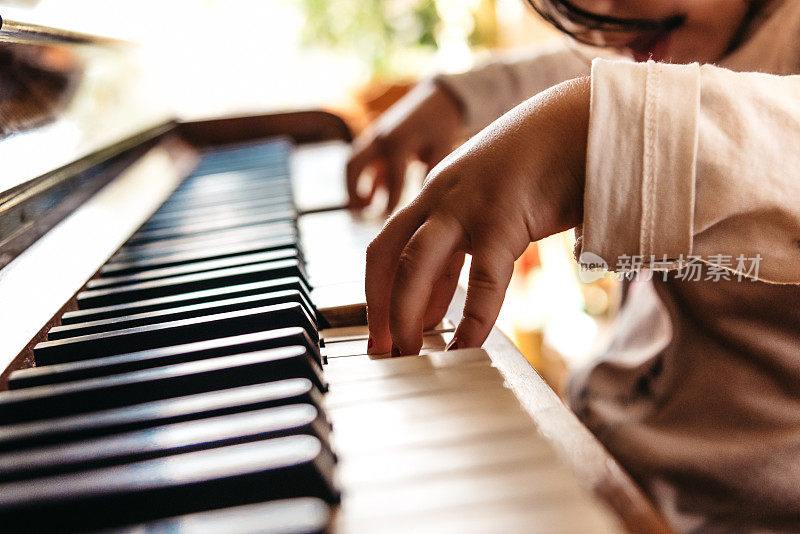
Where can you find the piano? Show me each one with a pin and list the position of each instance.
(183, 339)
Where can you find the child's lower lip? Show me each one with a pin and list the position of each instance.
(655, 49)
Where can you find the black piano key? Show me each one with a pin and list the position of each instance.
(175, 333)
(244, 274)
(181, 312)
(289, 516)
(147, 359)
(208, 174)
(186, 299)
(219, 202)
(273, 229)
(237, 181)
(161, 412)
(248, 205)
(261, 199)
(212, 226)
(242, 204)
(247, 160)
(231, 181)
(210, 178)
(279, 468)
(275, 169)
(115, 268)
(166, 440)
(195, 267)
(223, 237)
(157, 252)
(231, 188)
(147, 385)
(259, 154)
(230, 185)
(215, 168)
(210, 181)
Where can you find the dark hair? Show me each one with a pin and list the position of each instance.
(590, 28)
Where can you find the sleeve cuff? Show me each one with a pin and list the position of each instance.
(641, 163)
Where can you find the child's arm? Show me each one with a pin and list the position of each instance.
(673, 160)
(428, 122)
(491, 89)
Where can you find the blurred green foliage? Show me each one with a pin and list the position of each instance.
(380, 32)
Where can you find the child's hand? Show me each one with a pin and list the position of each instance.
(423, 125)
(519, 180)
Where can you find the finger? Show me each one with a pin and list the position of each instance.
(436, 154)
(382, 256)
(378, 181)
(421, 263)
(489, 276)
(396, 163)
(361, 158)
(443, 291)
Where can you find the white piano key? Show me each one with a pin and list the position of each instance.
(431, 405)
(409, 386)
(363, 366)
(430, 343)
(366, 472)
(554, 515)
(427, 433)
(360, 332)
(463, 489)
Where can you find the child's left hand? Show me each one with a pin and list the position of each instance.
(519, 180)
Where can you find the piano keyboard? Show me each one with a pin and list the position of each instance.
(197, 389)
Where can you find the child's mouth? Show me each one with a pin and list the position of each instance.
(653, 47)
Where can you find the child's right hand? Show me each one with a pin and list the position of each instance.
(423, 125)
(517, 181)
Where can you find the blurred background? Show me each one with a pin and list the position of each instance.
(354, 57)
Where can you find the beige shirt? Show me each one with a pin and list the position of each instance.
(693, 166)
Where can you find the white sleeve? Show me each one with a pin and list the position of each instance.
(690, 161)
(488, 91)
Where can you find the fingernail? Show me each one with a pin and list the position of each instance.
(396, 351)
(453, 345)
